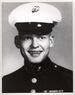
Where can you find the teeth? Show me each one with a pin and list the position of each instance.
(34, 53)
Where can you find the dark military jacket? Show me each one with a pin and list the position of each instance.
(43, 77)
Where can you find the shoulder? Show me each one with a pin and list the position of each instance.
(12, 81)
(15, 74)
(62, 70)
(65, 71)
(54, 67)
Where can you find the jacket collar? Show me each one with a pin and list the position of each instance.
(35, 68)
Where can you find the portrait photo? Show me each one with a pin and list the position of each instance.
(37, 47)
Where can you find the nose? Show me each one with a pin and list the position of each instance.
(34, 42)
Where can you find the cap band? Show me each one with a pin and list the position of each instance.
(34, 28)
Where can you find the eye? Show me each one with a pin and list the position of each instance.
(27, 38)
(42, 37)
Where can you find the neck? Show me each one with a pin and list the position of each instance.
(34, 67)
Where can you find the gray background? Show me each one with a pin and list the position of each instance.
(61, 53)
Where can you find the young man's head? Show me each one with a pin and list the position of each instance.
(34, 48)
(34, 22)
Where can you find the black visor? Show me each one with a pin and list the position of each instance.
(34, 28)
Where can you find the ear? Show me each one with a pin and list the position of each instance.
(51, 41)
(17, 41)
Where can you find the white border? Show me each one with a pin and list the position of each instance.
(73, 46)
(0, 49)
(37, 0)
(1, 1)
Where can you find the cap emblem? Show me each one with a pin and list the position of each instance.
(39, 25)
(35, 9)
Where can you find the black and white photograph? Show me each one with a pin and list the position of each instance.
(37, 47)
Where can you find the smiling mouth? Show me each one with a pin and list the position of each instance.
(35, 53)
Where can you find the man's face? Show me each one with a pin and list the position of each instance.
(35, 47)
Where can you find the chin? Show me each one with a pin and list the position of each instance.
(36, 60)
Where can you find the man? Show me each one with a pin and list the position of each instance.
(34, 22)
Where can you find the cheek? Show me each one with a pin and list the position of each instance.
(46, 45)
(26, 44)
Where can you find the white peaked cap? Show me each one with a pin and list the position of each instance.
(34, 12)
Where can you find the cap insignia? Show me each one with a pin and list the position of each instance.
(35, 9)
